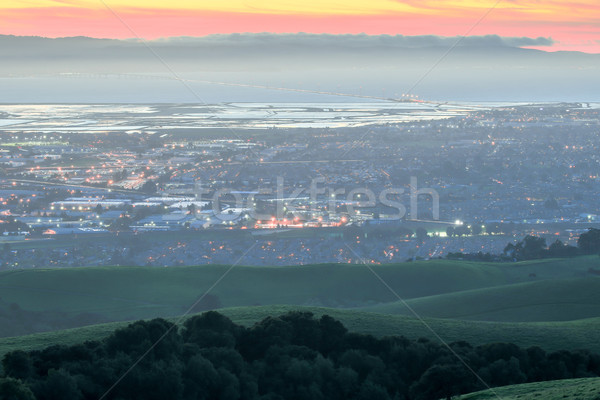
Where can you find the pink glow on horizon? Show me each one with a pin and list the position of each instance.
(153, 24)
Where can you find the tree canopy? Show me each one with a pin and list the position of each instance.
(291, 356)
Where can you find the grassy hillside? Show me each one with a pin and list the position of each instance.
(126, 293)
(550, 336)
(572, 389)
(138, 292)
(549, 300)
(49, 299)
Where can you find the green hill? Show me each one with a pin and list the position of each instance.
(133, 291)
(127, 293)
(550, 336)
(572, 389)
(48, 299)
(549, 300)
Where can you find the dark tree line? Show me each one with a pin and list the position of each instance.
(294, 356)
(534, 247)
(589, 242)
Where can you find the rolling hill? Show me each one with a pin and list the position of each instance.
(574, 389)
(548, 300)
(50, 299)
(117, 290)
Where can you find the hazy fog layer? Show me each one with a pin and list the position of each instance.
(477, 69)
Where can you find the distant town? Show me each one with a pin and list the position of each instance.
(291, 184)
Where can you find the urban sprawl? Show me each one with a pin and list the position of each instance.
(289, 184)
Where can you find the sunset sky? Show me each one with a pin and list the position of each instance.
(573, 25)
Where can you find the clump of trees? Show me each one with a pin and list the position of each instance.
(534, 247)
(293, 356)
(589, 242)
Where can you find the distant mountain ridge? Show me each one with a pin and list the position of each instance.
(299, 39)
(480, 68)
(326, 47)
